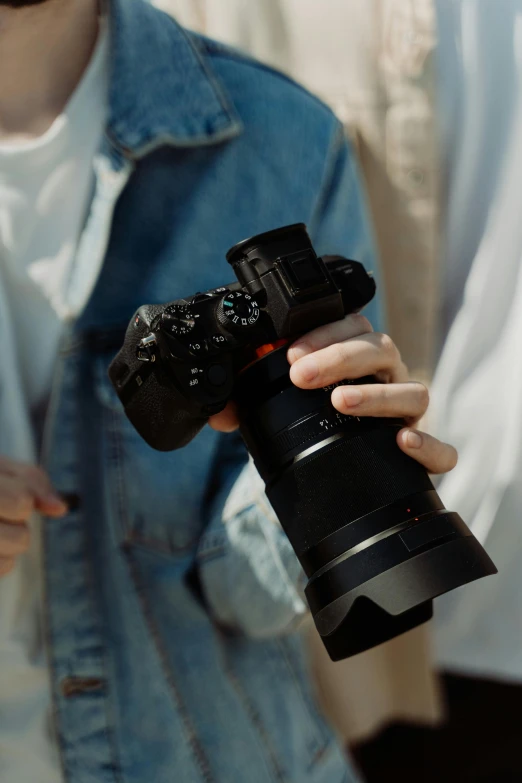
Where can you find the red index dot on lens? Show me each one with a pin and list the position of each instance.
(408, 510)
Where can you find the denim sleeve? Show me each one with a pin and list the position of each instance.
(249, 575)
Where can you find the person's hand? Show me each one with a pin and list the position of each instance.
(351, 349)
(23, 489)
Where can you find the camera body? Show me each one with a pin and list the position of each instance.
(364, 519)
(180, 361)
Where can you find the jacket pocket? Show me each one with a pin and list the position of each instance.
(157, 499)
(272, 681)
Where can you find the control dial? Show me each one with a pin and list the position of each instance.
(178, 320)
(237, 310)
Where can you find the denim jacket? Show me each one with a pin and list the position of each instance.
(170, 599)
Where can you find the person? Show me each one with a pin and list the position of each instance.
(148, 600)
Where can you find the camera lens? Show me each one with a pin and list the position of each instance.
(370, 531)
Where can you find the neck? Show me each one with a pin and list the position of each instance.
(44, 50)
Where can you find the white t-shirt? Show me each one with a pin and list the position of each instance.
(477, 392)
(45, 190)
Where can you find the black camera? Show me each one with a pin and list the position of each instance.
(370, 531)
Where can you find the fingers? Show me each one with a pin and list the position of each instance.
(337, 331)
(16, 501)
(436, 456)
(367, 354)
(34, 477)
(23, 488)
(14, 539)
(226, 421)
(401, 400)
(51, 506)
(32, 487)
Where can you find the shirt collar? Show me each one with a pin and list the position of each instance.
(162, 89)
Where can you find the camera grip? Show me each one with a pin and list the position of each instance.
(159, 415)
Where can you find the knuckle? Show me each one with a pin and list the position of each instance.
(323, 336)
(387, 393)
(361, 323)
(387, 345)
(341, 352)
(300, 348)
(338, 353)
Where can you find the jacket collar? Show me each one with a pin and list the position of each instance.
(162, 89)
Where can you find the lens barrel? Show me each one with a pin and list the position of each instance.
(370, 531)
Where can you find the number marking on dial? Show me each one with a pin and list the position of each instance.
(178, 319)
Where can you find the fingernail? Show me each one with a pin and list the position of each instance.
(54, 500)
(351, 396)
(308, 369)
(413, 440)
(297, 351)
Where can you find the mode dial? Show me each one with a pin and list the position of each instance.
(178, 320)
(237, 310)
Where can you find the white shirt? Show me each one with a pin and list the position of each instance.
(477, 392)
(45, 190)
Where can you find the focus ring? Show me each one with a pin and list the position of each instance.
(321, 424)
(324, 423)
